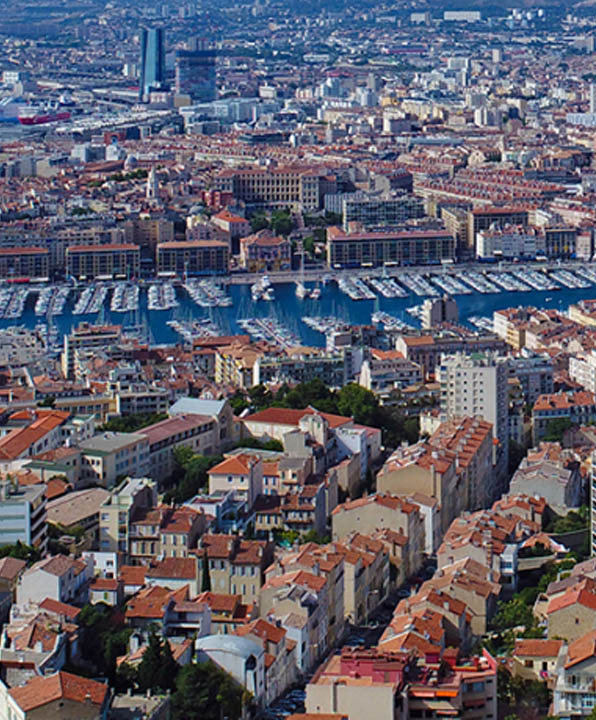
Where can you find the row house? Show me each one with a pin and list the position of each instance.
(301, 600)
(58, 577)
(235, 566)
(172, 611)
(378, 512)
(319, 562)
(579, 408)
(475, 585)
(228, 612)
(302, 510)
(280, 655)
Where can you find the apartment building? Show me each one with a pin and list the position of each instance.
(574, 694)
(241, 473)
(508, 243)
(385, 371)
(578, 407)
(550, 472)
(26, 263)
(31, 432)
(307, 596)
(235, 566)
(109, 262)
(302, 365)
(165, 532)
(318, 563)
(400, 686)
(483, 219)
(198, 432)
(193, 257)
(23, 514)
(378, 248)
(424, 468)
(477, 386)
(280, 670)
(471, 440)
(87, 337)
(535, 374)
(110, 456)
(582, 369)
(427, 350)
(57, 577)
(117, 513)
(234, 226)
(375, 512)
(148, 233)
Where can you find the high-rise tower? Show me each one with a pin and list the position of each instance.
(153, 61)
(195, 71)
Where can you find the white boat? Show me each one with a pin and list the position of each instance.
(301, 291)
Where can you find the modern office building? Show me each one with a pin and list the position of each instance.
(375, 210)
(153, 61)
(195, 71)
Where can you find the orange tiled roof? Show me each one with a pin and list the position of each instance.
(40, 691)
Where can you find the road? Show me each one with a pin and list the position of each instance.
(314, 274)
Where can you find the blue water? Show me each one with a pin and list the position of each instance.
(289, 310)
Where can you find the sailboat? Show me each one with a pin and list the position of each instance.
(301, 291)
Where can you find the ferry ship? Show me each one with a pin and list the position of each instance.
(42, 114)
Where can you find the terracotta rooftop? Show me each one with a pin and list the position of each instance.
(40, 691)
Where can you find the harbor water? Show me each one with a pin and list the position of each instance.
(285, 309)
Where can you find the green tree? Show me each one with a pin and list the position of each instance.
(206, 575)
(259, 222)
(239, 402)
(574, 520)
(356, 401)
(281, 222)
(157, 668)
(512, 614)
(309, 245)
(273, 445)
(132, 423)
(556, 429)
(314, 537)
(204, 692)
(103, 638)
(20, 551)
(49, 401)
(190, 474)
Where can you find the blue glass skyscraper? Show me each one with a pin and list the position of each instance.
(153, 61)
(195, 71)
